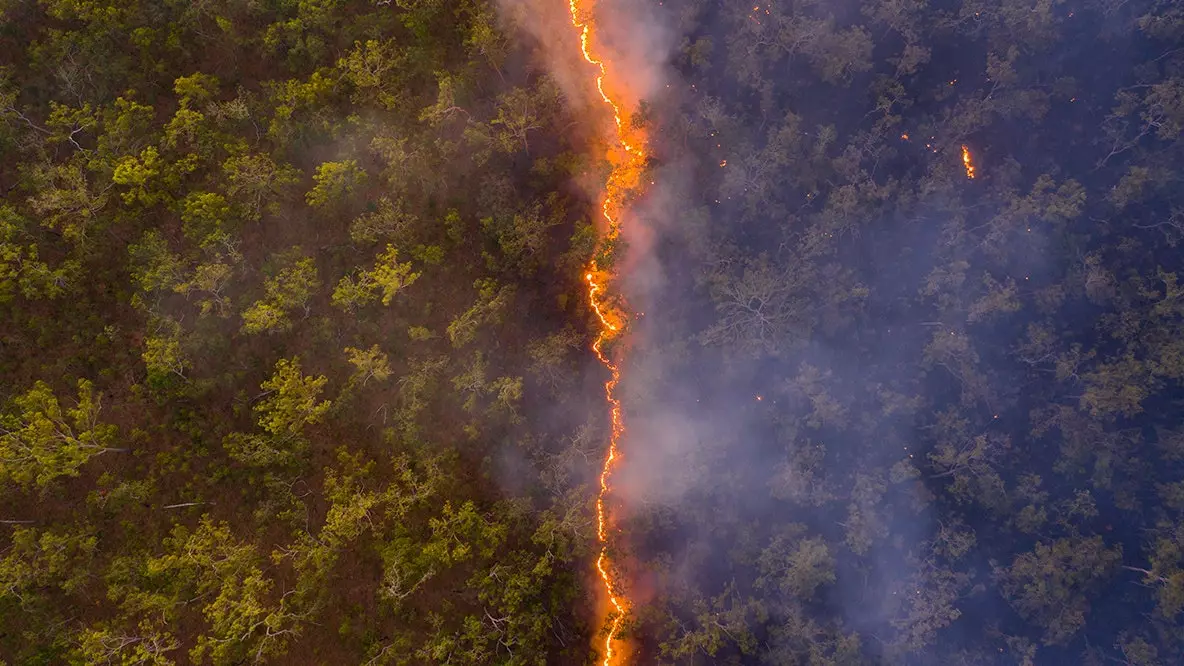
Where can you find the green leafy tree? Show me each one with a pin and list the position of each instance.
(21, 269)
(67, 202)
(369, 364)
(374, 68)
(384, 282)
(335, 181)
(241, 619)
(40, 559)
(155, 267)
(209, 282)
(290, 288)
(163, 355)
(148, 644)
(389, 221)
(139, 174)
(290, 404)
(205, 217)
(492, 301)
(42, 440)
(196, 89)
(255, 180)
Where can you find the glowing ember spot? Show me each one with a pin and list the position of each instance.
(967, 162)
(623, 180)
(904, 137)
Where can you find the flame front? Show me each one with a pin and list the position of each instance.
(608, 329)
(623, 180)
(966, 162)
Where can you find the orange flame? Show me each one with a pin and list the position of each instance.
(607, 330)
(966, 162)
(623, 179)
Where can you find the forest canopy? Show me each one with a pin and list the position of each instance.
(295, 336)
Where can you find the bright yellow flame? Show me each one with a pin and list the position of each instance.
(966, 162)
(623, 180)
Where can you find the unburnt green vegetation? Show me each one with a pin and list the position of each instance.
(279, 284)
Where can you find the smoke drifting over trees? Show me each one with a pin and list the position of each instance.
(884, 411)
(294, 334)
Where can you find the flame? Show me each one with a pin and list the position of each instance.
(966, 162)
(608, 329)
(623, 180)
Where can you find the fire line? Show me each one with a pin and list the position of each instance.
(967, 162)
(623, 179)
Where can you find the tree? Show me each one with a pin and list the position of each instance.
(291, 401)
(196, 89)
(140, 175)
(21, 269)
(715, 623)
(388, 278)
(290, 288)
(1050, 584)
(369, 364)
(40, 440)
(838, 54)
(67, 202)
(551, 358)
(866, 523)
(389, 221)
(925, 603)
(254, 179)
(209, 281)
(38, 559)
(794, 566)
(520, 112)
(205, 218)
(491, 303)
(758, 308)
(242, 620)
(1117, 387)
(522, 238)
(148, 644)
(1166, 572)
(335, 181)
(162, 353)
(155, 266)
(971, 462)
(290, 404)
(373, 67)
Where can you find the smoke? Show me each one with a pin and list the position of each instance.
(628, 36)
(744, 438)
(823, 313)
(556, 46)
(632, 44)
(715, 444)
(636, 40)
